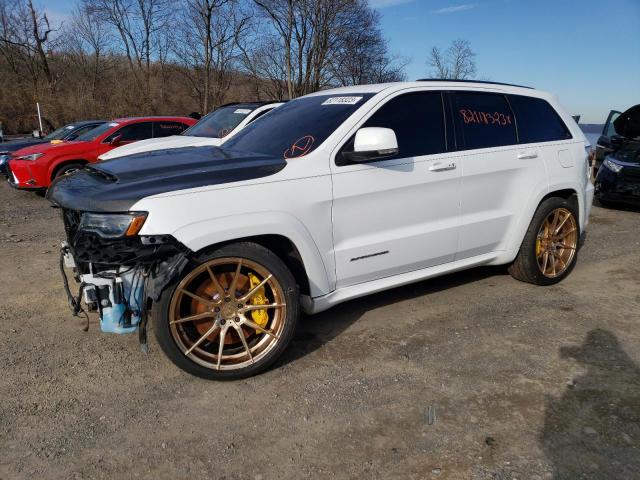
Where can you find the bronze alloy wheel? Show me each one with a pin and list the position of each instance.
(556, 242)
(227, 314)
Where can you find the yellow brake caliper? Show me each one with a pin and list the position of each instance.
(261, 317)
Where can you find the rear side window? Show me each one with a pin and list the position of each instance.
(132, 133)
(537, 120)
(484, 120)
(166, 129)
(418, 121)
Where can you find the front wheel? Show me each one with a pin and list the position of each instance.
(231, 314)
(549, 250)
(68, 168)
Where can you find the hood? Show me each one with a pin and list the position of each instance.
(116, 185)
(47, 147)
(151, 144)
(628, 154)
(14, 145)
(628, 123)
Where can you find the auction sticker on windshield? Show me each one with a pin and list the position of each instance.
(342, 101)
(243, 111)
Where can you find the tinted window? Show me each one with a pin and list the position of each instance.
(132, 133)
(299, 126)
(60, 133)
(220, 122)
(417, 119)
(610, 130)
(96, 132)
(483, 120)
(537, 120)
(166, 129)
(80, 131)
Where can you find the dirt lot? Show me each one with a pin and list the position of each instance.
(473, 375)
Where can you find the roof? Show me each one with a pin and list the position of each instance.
(469, 81)
(435, 83)
(135, 119)
(86, 122)
(255, 104)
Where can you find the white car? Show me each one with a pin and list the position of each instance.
(332, 196)
(213, 129)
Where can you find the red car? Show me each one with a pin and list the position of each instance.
(35, 167)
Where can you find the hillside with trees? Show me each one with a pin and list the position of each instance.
(115, 58)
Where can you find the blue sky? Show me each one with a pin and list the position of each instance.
(586, 52)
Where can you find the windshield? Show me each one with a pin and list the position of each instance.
(91, 135)
(299, 126)
(60, 133)
(220, 122)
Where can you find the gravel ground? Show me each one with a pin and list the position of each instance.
(472, 375)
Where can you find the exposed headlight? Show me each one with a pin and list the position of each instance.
(32, 157)
(113, 225)
(614, 167)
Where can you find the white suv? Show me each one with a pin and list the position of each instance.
(213, 129)
(330, 197)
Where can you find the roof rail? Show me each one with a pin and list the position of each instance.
(469, 81)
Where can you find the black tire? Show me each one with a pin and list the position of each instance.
(525, 267)
(68, 168)
(245, 250)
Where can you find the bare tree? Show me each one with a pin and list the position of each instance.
(26, 40)
(209, 33)
(138, 24)
(316, 38)
(89, 39)
(458, 62)
(362, 54)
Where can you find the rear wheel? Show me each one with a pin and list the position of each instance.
(549, 250)
(231, 314)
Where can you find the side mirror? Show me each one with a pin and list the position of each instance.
(373, 143)
(115, 140)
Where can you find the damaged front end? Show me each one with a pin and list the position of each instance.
(118, 271)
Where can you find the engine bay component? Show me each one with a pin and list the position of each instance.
(119, 297)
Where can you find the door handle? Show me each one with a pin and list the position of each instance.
(527, 155)
(441, 167)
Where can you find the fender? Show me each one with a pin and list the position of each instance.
(199, 235)
(525, 219)
(53, 165)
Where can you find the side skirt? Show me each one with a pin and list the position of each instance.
(312, 305)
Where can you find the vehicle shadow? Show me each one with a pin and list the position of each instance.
(317, 330)
(593, 430)
(621, 206)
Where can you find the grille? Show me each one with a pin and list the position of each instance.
(631, 173)
(71, 219)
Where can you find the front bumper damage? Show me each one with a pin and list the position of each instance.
(118, 277)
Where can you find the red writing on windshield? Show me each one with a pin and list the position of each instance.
(486, 118)
(300, 147)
